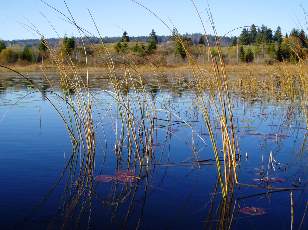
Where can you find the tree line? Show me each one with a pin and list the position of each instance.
(28, 54)
(253, 42)
(139, 48)
(288, 47)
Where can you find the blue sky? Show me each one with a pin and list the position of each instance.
(114, 16)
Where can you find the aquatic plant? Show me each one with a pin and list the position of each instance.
(136, 119)
(252, 211)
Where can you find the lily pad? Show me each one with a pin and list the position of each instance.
(104, 178)
(252, 211)
(126, 177)
(270, 180)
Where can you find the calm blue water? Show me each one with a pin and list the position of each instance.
(174, 192)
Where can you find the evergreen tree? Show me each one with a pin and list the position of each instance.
(27, 54)
(295, 33)
(265, 35)
(68, 45)
(175, 32)
(271, 50)
(124, 47)
(284, 51)
(152, 42)
(151, 45)
(121, 47)
(125, 37)
(268, 35)
(179, 49)
(118, 47)
(260, 37)
(139, 50)
(201, 40)
(242, 54)
(279, 54)
(154, 36)
(2, 46)
(303, 38)
(42, 46)
(42, 49)
(179, 46)
(249, 56)
(234, 41)
(278, 35)
(253, 34)
(244, 37)
(136, 48)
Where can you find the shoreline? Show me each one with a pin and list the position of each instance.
(241, 72)
(147, 69)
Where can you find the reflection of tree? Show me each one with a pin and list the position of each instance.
(44, 88)
(2, 89)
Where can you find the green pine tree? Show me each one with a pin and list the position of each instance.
(68, 45)
(154, 36)
(242, 54)
(27, 54)
(234, 41)
(125, 37)
(152, 42)
(202, 40)
(253, 34)
(278, 35)
(179, 49)
(2, 46)
(249, 56)
(244, 37)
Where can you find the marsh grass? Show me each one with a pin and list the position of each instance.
(136, 117)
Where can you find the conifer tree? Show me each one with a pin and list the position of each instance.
(253, 34)
(125, 37)
(278, 35)
(152, 42)
(244, 37)
(2, 46)
(201, 40)
(242, 54)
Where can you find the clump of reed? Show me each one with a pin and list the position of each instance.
(135, 128)
(134, 131)
(220, 110)
(220, 107)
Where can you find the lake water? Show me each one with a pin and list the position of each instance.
(177, 189)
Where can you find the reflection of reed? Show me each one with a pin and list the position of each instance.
(136, 126)
(125, 195)
(221, 210)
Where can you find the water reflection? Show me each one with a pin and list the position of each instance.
(177, 184)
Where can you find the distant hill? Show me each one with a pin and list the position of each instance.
(225, 41)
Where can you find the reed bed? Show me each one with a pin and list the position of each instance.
(135, 116)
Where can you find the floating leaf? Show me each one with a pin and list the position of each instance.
(253, 133)
(270, 180)
(252, 211)
(126, 177)
(121, 176)
(104, 178)
(276, 136)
